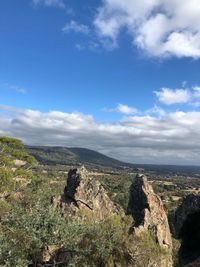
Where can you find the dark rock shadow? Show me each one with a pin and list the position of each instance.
(190, 235)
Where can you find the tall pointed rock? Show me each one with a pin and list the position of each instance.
(148, 212)
(85, 192)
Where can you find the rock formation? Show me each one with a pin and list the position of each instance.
(85, 192)
(150, 218)
(148, 212)
(190, 205)
(187, 225)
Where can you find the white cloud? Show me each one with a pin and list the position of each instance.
(80, 47)
(196, 96)
(159, 27)
(190, 95)
(173, 138)
(91, 46)
(50, 3)
(196, 91)
(169, 96)
(15, 88)
(156, 110)
(121, 108)
(77, 27)
(126, 109)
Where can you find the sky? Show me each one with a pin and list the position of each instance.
(117, 76)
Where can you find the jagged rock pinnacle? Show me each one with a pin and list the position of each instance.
(148, 211)
(84, 192)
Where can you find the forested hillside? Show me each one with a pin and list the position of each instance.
(73, 156)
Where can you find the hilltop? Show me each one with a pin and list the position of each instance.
(73, 156)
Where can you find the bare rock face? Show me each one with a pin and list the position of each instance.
(187, 225)
(148, 211)
(85, 192)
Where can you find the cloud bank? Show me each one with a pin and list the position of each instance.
(172, 138)
(161, 28)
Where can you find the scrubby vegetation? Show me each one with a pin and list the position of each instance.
(30, 227)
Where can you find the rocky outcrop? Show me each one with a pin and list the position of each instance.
(148, 212)
(150, 219)
(190, 205)
(187, 225)
(85, 192)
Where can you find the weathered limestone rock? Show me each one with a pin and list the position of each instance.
(187, 226)
(19, 163)
(85, 192)
(148, 211)
(149, 216)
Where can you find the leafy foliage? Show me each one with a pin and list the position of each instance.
(14, 165)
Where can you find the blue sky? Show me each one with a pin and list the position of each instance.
(118, 63)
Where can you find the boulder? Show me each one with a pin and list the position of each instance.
(19, 163)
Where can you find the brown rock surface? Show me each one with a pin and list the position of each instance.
(148, 212)
(85, 192)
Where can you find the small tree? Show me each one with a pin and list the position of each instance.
(15, 164)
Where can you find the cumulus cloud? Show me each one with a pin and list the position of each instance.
(169, 96)
(159, 27)
(172, 138)
(74, 26)
(50, 3)
(121, 108)
(156, 110)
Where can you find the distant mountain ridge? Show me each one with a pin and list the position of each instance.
(73, 156)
